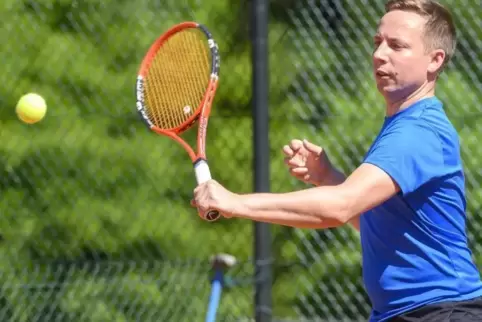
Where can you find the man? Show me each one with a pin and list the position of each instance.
(407, 197)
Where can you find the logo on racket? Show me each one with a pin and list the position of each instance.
(140, 101)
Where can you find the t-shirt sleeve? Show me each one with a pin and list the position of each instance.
(411, 154)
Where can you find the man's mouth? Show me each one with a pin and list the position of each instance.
(381, 73)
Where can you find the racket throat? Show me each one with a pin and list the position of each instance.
(201, 170)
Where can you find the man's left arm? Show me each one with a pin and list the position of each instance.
(328, 206)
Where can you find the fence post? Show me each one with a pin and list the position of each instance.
(262, 236)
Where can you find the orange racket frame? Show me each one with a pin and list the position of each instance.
(200, 115)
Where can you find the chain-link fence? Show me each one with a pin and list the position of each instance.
(95, 220)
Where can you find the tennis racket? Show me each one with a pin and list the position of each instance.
(175, 88)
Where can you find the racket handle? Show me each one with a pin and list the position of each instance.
(203, 174)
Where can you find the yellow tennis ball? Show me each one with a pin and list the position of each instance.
(31, 108)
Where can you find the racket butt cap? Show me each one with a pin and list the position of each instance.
(212, 215)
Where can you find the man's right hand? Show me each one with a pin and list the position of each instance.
(307, 162)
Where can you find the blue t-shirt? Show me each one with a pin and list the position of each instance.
(414, 245)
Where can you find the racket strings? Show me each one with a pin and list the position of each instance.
(177, 79)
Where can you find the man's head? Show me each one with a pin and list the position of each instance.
(414, 42)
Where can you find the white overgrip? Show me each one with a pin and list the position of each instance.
(201, 169)
(203, 174)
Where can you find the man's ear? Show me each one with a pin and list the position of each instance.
(437, 58)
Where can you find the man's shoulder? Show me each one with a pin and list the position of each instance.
(413, 131)
(425, 124)
(434, 115)
(435, 119)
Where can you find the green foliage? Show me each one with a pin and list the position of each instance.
(95, 219)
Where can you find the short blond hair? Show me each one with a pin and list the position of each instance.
(439, 31)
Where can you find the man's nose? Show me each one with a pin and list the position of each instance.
(380, 54)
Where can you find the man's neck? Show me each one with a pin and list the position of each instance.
(424, 91)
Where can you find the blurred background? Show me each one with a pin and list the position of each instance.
(95, 221)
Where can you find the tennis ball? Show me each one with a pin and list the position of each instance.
(31, 108)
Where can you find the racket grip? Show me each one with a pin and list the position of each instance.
(203, 174)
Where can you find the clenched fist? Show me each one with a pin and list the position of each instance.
(212, 196)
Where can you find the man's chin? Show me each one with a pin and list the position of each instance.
(385, 89)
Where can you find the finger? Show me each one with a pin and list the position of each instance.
(202, 208)
(287, 150)
(292, 162)
(296, 145)
(197, 203)
(201, 214)
(299, 171)
(312, 147)
(300, 177)
(198, 189)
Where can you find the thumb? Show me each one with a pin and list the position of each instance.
(312, 147)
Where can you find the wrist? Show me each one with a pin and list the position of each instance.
(331, 177)
(241, 206)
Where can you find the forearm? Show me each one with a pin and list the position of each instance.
(296, 221)
(319, 207)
